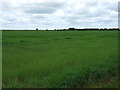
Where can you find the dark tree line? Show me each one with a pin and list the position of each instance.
(73, 29)
(91, 29)
(86, 29)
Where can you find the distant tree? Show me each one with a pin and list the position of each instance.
(36, 28)
(71, 29)
(64, 29)
(105, 28)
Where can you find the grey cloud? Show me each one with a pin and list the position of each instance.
(42, 8)
(59, 14)
(111, 6)
(5, 6)
(8, 7)
(83, 11)
(39, 17)
(91, 14)
(91, 4)
(10, 18)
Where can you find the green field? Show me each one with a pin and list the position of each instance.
(60, 59)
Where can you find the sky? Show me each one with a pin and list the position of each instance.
(58, 14)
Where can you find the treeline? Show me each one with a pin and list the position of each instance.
(85, 29)
(73, 29)
(89, 29)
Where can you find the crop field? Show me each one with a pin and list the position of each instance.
(60, 59)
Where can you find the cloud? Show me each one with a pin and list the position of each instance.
(93, 14)
(42, 8)
(59, 13)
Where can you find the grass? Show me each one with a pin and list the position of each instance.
(59, 59)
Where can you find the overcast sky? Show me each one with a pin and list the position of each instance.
(51, 14)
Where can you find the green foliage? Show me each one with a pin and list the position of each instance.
(58, 59)
(36, 28)
(71, 29)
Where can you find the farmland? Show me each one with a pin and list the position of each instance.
(59, 59)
